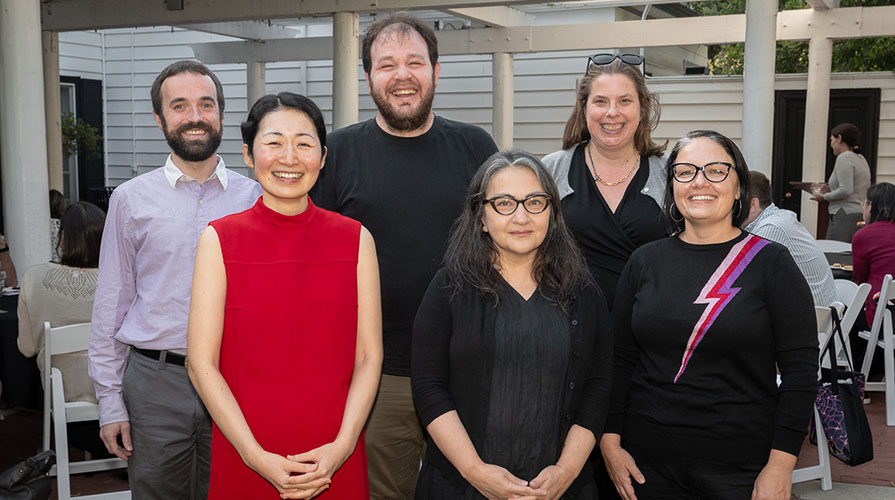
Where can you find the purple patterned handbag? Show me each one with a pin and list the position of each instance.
(840, 403)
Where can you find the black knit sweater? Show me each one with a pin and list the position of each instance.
(700, 332)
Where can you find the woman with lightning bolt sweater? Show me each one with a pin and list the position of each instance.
(704, 319)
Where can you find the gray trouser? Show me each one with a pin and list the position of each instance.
(170, 429)
(843, 225)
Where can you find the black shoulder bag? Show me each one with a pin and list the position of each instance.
(28, 479)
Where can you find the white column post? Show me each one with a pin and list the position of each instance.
(23, 134)
(256, 82)
(502, 95)
(758, 84)
(817, 110)
(53, 104)
(345, 40)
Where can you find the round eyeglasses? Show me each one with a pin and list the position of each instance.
(715, 171)
(601, 59)
(506, 205)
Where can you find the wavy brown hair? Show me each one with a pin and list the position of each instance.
(471, 259)
(576, 128)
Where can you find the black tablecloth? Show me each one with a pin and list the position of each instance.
(19, 375)
(843, 259)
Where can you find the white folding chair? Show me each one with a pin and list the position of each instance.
(880, 335)
(63, 340)
(853, 296)
(822, 469)
(833, 246)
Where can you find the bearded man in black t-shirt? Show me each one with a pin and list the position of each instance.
(404, 175)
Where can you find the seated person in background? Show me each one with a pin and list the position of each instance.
(781, 226)
(57, 208)
(63, 295)
(6, 264)
(873, 252)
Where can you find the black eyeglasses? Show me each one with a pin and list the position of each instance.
(715, 171)
(534, 203)
(602, 59)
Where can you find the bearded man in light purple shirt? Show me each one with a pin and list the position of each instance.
(150, 415)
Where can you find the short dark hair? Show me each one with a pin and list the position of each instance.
(761, 188)
(80, 234)
(739, 167)
(849, 134)
(401, 22)
(283, 100)
(882, 202)
(185, 66)
(57, 204)
(471, 256)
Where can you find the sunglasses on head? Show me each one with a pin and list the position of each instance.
(602, 59)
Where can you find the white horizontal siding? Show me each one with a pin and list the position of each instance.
(544, 88)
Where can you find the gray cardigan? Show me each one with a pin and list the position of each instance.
(558, 164)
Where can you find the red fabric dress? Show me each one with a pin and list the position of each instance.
(288, 347)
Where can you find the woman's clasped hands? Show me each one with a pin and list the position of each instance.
(305, 475)
(495, 482)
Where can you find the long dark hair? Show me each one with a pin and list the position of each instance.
(882, 202)
(471, 259)
(739, 167)
(57, 204)
(576, 127)
(80, 234)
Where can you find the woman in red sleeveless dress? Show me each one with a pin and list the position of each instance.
(285, 333)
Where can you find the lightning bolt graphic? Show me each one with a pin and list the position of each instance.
(719, 291)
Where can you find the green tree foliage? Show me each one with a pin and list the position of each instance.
(861, 54)
(78, 135)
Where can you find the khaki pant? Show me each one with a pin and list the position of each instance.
(395, 441)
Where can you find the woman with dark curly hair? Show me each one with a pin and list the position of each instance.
(511, 347)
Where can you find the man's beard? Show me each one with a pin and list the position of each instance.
(404, 122)
(195, 150)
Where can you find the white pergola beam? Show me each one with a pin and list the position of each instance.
(74, 15)
(296, 49)
(823, 4)
(853, 22)
(497, 17)
(247, 30)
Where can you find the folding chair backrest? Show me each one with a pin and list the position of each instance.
(853, 296)
(886, 293)
(59, 340)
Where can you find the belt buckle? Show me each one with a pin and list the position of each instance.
(186, 363)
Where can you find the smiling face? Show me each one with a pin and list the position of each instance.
(402, 80)
(519, 235)
(703, 203)
(613, 112)
(191, 119)
(287, 158)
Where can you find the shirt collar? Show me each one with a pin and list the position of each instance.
(767, 212)
(174, 174)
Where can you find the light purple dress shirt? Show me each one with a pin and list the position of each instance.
(146, 268)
